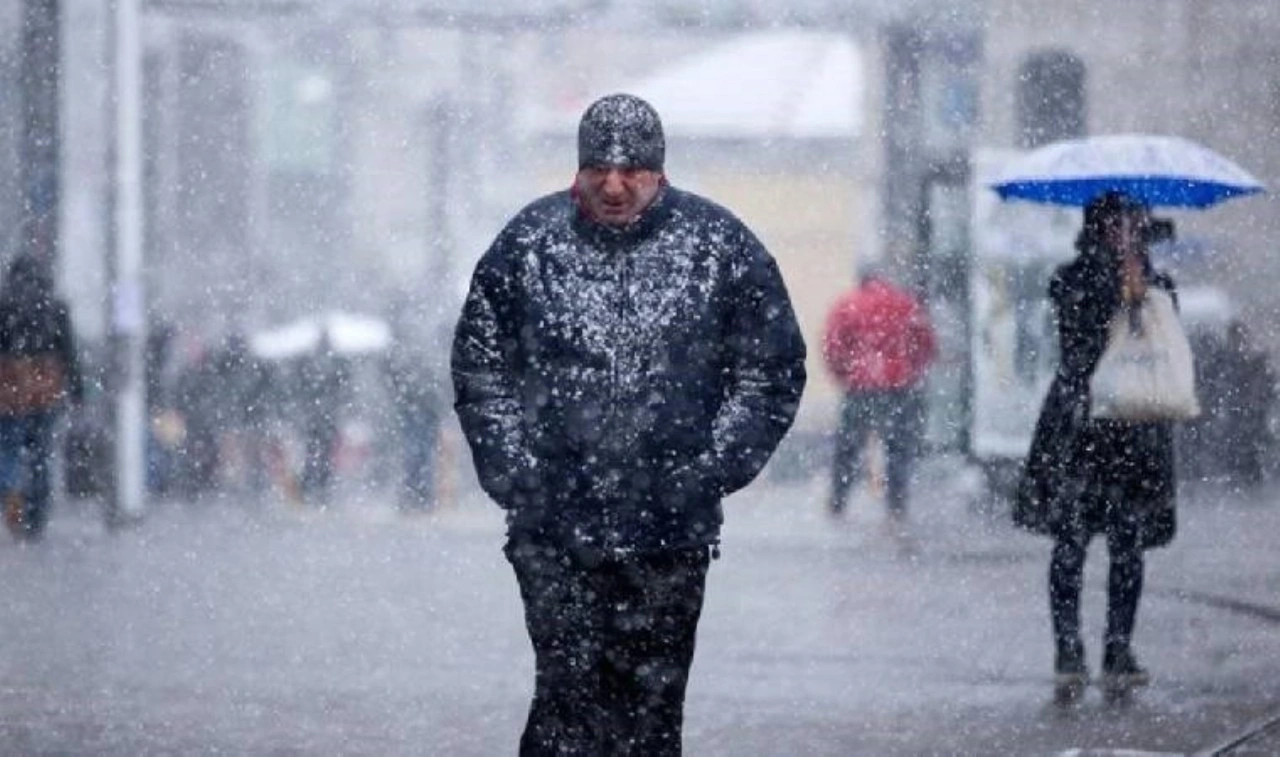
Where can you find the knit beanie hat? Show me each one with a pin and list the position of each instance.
(621, 130)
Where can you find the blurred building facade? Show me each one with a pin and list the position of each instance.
(248, 172)
(315, 160)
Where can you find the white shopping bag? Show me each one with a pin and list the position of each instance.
(1146, 372)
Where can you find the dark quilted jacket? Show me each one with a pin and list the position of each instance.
(614, 385)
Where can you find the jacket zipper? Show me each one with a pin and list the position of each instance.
(622, 307)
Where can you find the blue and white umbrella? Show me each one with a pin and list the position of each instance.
(1159, 171)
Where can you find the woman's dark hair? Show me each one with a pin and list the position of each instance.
(1103, 210)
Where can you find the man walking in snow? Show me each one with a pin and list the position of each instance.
(626, 357)
(879, 345)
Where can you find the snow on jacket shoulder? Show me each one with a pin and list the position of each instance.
(615, 384)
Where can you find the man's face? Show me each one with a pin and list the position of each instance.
(616, 196)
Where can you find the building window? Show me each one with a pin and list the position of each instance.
(1051, 98)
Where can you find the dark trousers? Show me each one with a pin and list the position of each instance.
(613, 642)
(897, 417)
(1124, 583)
(26, 455)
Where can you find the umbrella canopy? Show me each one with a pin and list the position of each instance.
(1159, 171)
(348, 334)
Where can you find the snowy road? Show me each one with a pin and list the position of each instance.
(261, 629)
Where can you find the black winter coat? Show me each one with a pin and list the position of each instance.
(39, 362)
(615, 384)
(1083, 473)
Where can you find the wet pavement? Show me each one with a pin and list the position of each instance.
(241, 627)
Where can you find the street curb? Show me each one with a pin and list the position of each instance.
(1248, 733)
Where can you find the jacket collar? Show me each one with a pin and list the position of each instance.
(645, 225)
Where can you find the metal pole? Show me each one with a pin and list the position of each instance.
(129, 321)
(440, 164)
(41, 50)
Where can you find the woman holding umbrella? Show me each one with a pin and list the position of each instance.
(1086, 476)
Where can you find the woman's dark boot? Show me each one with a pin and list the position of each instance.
(1071, 674)
(1120, 669)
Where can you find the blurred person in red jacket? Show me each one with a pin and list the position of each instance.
(879, 345)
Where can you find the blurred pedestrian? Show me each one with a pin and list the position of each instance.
(1087, 476)
(879, 345)
(163, 436)
(39, 371)
(324, 382)
(626, 357)
(243, 384)
(196, 402)
(417, 408)
(1250, 394)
